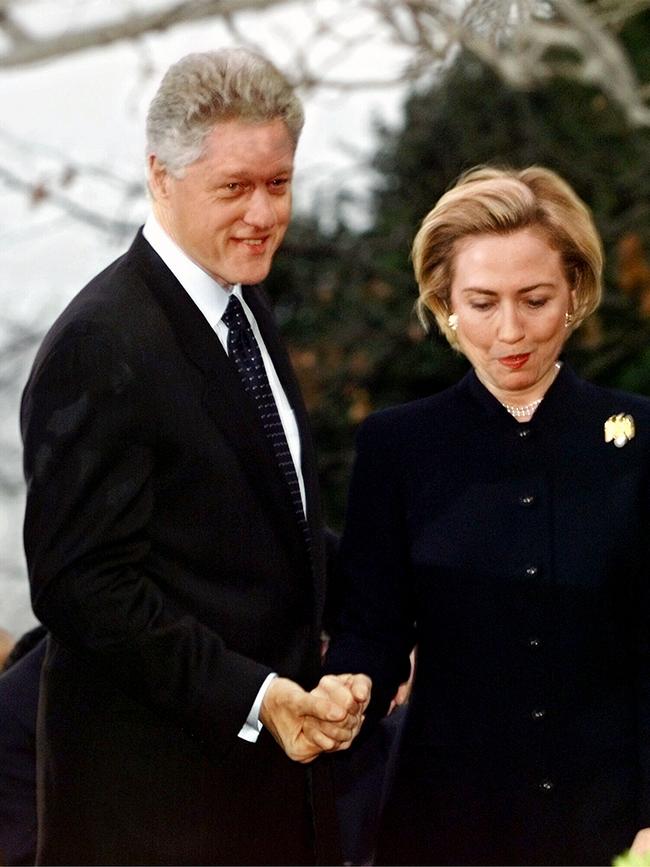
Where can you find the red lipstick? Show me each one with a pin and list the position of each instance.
(514, 362)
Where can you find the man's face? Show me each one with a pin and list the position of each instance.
(230, 210)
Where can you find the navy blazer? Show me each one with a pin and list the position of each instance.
(516, 557)
(166, 561)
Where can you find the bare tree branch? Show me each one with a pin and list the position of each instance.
(12, 29)
(13, 4)
(528, 42)
(525, 41)
(25, 49)
(130, 188)
(38, 192)
(615, 13)
(604, 62)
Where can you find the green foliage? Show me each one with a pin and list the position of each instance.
(631, 859)
(346, 299)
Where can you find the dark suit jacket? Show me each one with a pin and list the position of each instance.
(516, 557)
(166, 561)
(18, 708)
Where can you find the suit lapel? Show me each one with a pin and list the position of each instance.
(224, 397)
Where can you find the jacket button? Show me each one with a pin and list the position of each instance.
(534, 643)
(527, 500)
(531, 571)
(524, 432)
(547, 785)
(538, 713)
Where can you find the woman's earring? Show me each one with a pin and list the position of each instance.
(452, 322)
(568, 319)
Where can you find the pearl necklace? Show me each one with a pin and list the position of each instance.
(528, 409)
(522, 411)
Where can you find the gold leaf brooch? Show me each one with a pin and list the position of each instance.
(619, 429)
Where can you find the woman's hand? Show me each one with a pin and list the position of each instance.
(404, 692)
(641, 844)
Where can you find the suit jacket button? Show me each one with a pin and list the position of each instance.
(534, 643)
(527, 500)
(547, 785)
(538, 713)
(531, 571)
(524, 433)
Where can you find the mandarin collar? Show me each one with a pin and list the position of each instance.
(558, 402)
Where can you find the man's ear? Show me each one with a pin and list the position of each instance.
(158, 178)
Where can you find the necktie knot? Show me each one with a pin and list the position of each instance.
(239, 329)
(234, 316)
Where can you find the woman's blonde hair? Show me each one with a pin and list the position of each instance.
(487, 200)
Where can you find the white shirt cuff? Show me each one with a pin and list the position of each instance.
(252, 727)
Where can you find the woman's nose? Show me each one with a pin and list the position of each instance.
(511, 328)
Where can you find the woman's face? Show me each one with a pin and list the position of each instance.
(511, 298)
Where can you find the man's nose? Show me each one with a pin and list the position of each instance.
(260, 212)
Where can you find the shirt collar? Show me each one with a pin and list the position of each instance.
(207, 293)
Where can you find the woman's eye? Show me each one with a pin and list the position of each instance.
(536, 302)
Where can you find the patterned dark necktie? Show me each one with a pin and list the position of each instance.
(244, 351)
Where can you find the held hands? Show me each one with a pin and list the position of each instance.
(350, 692)
(307, 723)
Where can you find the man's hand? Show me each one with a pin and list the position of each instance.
(350, 691)
(286, 707)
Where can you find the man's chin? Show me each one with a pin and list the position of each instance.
(250, 276)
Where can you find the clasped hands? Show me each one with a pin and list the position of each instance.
(326, 719)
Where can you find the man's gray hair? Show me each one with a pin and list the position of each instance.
(202, 89)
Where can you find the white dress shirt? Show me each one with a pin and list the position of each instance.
(212, 299)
